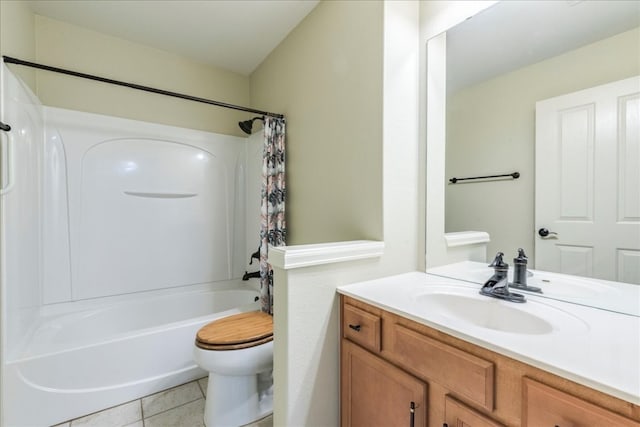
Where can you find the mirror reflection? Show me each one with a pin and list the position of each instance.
(549, 90)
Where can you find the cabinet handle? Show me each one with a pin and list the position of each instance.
(412, 414)
(355, 327)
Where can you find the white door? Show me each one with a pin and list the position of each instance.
(588, 182)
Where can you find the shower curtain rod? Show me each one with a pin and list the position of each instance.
(10, 60)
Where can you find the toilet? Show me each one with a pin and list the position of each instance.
(237, 351)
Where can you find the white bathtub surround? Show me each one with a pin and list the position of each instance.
(306, 323)
(593, 347)
(21, 211)
(116, 249)
(130, 206)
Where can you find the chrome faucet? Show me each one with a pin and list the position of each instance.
(498, 285)
(520, 273)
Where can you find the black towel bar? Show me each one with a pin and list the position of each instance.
(514, 175)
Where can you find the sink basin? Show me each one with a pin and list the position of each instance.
(466, 305)
(486, 313)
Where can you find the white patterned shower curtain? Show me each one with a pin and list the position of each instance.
(273, 230)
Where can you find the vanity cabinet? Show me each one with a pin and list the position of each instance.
(389, 362)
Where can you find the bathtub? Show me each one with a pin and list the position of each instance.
(122, 239)
(88, 356)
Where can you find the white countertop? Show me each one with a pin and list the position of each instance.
(600, 349)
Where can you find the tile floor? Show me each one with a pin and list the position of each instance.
(181, 406)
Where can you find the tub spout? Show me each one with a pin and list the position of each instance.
(247, 275)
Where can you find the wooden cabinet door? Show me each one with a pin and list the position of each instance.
(375, 393)
(545, 406)
(459, 415)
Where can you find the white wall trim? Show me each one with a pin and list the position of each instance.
(290, 257)
(461, 238)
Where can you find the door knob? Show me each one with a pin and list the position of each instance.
(543, 232)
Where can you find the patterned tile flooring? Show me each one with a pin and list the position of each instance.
(181, 406)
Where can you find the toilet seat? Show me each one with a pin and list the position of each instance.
(236, 332)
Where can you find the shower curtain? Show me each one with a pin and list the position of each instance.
(273, 230)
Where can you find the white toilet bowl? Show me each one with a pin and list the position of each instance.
(237, 351)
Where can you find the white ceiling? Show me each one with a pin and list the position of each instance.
(236, 35)
(513, 34)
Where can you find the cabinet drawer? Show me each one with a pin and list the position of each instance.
(458, 414)
(545, 406)
(361, 327)
(472, 378)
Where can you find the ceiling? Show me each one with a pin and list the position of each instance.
(236, 35)
(513, 34)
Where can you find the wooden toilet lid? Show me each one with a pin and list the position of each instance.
(235, 332)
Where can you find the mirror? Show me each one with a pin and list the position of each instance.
(499, 64)
(532, 52)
